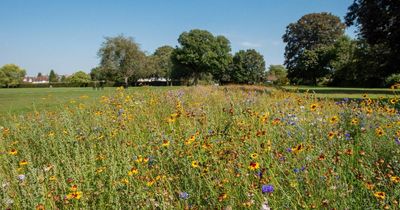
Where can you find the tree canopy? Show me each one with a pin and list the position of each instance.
(79, 77)
(53, 76)
(11, 75)
(248, 67)
(121, 57)
(200, 53)
(378, 22)
(307, 46)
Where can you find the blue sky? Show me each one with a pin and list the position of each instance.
(65, 35)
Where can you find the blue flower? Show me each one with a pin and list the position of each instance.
(184, 195)
(267, 188)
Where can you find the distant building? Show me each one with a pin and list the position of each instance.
(36, 80)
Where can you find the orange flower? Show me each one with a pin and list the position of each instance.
(74, 188)
(331, 134)
(254, 165)
(165, 143)
(74, 195)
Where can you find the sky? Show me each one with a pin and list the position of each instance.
(40, 35)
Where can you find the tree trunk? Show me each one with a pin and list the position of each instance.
(126, 82)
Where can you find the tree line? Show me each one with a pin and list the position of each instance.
(317, 52)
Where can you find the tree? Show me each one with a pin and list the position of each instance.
(121, 57)
(378, 22)
(53, 76)
(279, 72)
(12, 75)
(201, 53)
(3, 78)
(163, 65)
(97, 73)
(310, 35)
(79, 77)
(39, 74)
(248, 67)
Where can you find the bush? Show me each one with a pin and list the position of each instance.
(392, 79)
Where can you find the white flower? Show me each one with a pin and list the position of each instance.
(21, 177)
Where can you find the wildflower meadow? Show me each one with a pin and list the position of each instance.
(203, 147)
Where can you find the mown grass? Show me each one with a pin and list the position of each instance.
(203, 148)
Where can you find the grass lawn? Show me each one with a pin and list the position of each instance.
(20, 100)
(338, 92)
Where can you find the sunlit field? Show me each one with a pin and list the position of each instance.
(202, 147)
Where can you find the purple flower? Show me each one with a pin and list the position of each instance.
(184, 195)
(397, 140)
(21, 177)
(289, 149)
(267, 188)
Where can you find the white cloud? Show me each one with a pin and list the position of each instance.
(250, 44)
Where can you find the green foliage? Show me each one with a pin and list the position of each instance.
(393, 79)
(163, 65)
(78, 78)
(200, 53)
(308, 41)
(53, 76)
(378, 22)
(11, 75)
(278, 72)
(248, 67)
(121, 57)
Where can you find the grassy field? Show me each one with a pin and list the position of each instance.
(338, 92)
(199, 148)
(22, 100)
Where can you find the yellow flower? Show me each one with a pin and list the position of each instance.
(369, 185)
(313, 107)
(395, 179)
(124, 181)
(393, 101)
(354, 121)
(254, 166)
(297, 149)
(13, 152)
(23, 162)
(380, 195)
(379, 131)
(254, 156)
(150, 183)
(133, 171)
(74, 195)
(334, 119)
(331, 135)
(195, 164)
(165, 143)
(53, 178)
(74, 188)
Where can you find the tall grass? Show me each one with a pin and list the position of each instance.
(203, 148)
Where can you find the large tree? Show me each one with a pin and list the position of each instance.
(306, 38)
(12, 75)
(201, 53)
(121, 57)
(163, 65)
(247, 67)
(378, 22)
(279, 72)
